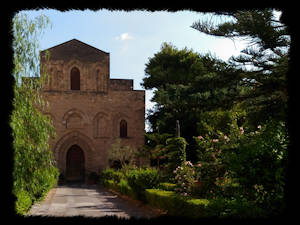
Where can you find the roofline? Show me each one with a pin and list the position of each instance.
(78, 41)
(119, 79)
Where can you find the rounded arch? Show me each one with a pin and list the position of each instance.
(76, 112)
(66, 142)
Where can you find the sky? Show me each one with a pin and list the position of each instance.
(132, 37)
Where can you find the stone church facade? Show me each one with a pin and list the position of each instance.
(88, 109)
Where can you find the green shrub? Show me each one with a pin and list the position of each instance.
(184, 178)
(235, 207)
(167, 186)
(111, 174)
(141, 179)
(23, 202)
(161, 199)
(175, 153)
(125, 189)
(111, 184)
(177, 205)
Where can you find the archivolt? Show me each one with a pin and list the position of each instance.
(65, 142)
(78, 112)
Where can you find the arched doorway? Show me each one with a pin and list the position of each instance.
(75, 164)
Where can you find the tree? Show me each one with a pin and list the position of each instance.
(187, 85)
(34, 170)
(125, 155)
(156, 147)
(266, 54)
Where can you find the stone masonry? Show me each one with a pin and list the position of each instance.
(90, 117)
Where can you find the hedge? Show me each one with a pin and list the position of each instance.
(141, 179)
(121, 187)
(167, 186)
(177, 205)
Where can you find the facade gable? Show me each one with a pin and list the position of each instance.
(75, 49)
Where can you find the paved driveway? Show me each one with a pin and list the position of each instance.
(86, 200)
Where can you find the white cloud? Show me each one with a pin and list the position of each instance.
(124, 37)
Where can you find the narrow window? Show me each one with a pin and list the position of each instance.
(75, 79)
(123, 128)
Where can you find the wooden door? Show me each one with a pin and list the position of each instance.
(75, 164)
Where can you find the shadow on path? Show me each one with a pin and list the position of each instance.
(78, 199)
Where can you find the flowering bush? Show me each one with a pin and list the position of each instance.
(215, 152)
(184, 178)
(210, 177)
(255, 159)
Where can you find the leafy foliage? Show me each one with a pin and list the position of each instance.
(34, 166)
(257, 160)
(141, 179)
(111, 174)
(266, 54)
(175, 153)
(184, 178)
(156, 147)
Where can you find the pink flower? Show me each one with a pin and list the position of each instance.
(215, 140)
(213, 156)
(242, 130)
(188, 163)
(226, 138)
(182, 184)
(259, 126)
(200, 137)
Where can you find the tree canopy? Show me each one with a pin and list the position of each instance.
(266, 55)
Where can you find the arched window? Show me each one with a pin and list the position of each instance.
(75, 79)
(123, 128)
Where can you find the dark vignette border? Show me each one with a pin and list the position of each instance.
(12, 8)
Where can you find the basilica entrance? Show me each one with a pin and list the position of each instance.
(75, 164)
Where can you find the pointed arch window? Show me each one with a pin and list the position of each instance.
(75, 79)
(123, 128)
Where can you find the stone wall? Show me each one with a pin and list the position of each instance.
(90, 117)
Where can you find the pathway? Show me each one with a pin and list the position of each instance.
(87, 200)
